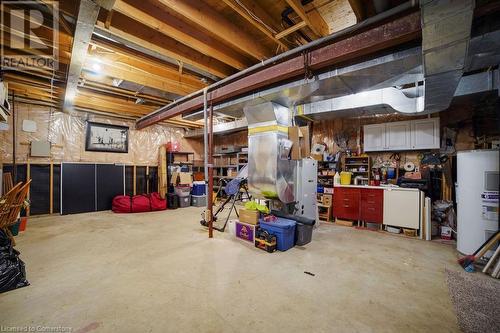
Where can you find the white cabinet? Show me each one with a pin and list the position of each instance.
(402, 208)
(374, 137)
(402, 135)
(425, 133)
(397, 135)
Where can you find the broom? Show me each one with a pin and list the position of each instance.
(469, 259)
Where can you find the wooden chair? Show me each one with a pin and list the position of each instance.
(12, 208)
(7, 183)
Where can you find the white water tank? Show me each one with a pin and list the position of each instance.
(477, 198)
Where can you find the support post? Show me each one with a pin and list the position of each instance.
(134, 180)
(210, 175)
(205, 133)
(51, 188)
(147, 179)
(28, 177)
(14, 142)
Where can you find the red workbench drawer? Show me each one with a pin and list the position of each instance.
(372, 205)
(346, 203)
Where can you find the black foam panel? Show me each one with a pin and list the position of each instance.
(39, 189)
(56, 183)
(129, 180)
(78, 188)
(141, 179)
(153, 179)
(110, 183)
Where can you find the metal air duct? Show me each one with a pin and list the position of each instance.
(446, 30)
(269, 175)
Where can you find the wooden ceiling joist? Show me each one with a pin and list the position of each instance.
(129, 73)
(243, 13)
(317, 24)
(200, 13)
(145, 63)
(291, 30)
(173, 27)
(150, 39)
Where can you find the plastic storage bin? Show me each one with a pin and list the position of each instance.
(283, 229)
(198, 188)
(198, 200)
(303, 234)
(183, 190)
(185, 201)
(172, 201)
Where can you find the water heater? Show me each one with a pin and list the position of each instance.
(477, 198)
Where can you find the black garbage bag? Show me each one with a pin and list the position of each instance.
(12, 270)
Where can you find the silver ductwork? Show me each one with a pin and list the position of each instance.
(446, 30)
(269, 175)
(393, 98)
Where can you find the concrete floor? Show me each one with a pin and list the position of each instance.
(158, 272)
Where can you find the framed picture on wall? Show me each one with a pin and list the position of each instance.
(106, 138)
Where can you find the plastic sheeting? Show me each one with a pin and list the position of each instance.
(67, 136)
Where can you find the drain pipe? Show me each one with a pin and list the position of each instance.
(374, 19)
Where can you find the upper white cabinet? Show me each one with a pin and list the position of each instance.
(425, 133)
(374, 137)
(402, 135)
(397, 135)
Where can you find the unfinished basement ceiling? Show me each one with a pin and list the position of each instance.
(143, 54)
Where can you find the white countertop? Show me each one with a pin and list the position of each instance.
(388, 188)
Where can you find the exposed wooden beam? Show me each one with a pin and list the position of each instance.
(292, 29)
(374, 39)
(152, 40)
(129, 73)
(87, 17)
(358, 9)
(200, 13)
(316, 25)
(243, 13)
(142, 51)
(173, 27)
(104, 88)
(146, 62)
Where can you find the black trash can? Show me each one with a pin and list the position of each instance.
(172, 201)
(303, 228)
(303, 234)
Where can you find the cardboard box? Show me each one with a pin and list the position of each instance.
(184, 178)
(245, 232)
(301, 146)
(317, 157)
(305, 142)
(294, 136)
(249, 216)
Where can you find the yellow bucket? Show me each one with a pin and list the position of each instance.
(345, 178)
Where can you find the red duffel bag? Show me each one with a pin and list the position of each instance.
(122, 204)
(138, 203)
(157, 203)
(141, 203)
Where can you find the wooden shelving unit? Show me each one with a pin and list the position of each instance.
(359, 166)
(226, 161)
(175, 159)
(328, 167)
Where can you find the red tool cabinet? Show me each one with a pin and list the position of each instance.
(358, 204)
